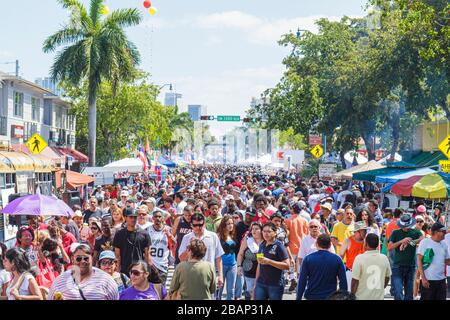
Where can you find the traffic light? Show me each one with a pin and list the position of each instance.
(206, 117)
(252, 120)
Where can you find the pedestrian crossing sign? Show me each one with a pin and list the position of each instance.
(445, 165)
(444, 146)
(317, 151)
(36, 144)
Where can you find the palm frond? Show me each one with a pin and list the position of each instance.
(122, 18)
(64, 36)
(70, 63)
(79, 17)
(95, 7)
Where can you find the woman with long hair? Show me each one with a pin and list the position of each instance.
(227, 235)
(246, 260)
(369, 220)
(145, 283)
(23, 285)
(5, 276)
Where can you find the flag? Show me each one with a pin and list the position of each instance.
(147, 152)
(141, 155)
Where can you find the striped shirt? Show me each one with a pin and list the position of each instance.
(100, 286)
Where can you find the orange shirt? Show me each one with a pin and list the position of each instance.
(355, 249)
(389, 228)
(298, 229)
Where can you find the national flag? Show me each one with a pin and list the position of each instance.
(141, 155)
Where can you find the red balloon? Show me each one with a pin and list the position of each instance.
(147, 4)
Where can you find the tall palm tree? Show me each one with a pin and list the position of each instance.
(95, 49)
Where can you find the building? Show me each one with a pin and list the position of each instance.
(171, 99)
(27, 108)
(49, 84)
(196, 111)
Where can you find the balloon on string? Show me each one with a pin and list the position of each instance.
(152, 11)
(147, 4)
(104, 10)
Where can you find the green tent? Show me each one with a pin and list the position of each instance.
(372, 174)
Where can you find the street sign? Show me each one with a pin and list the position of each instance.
(36, 144)
(317, 151)
(444, 146)
(315, 139)
(69, 161)
(326, 170)
(228, 118)
(445, 165)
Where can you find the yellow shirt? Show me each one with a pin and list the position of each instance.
(341, 231)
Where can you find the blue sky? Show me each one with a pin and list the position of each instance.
(220, 53)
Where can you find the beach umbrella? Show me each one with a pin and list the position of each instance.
(38, 205)
(430, 186)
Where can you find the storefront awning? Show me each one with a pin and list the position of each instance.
(78, 157)
(42, 163)
(5, 165)
(73, 179)
(49, 152)
(19, 160)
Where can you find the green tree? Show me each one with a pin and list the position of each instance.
(127, 113)
(95, 49)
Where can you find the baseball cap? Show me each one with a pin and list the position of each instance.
(229, 197)
(420, 217)
(130, 212)
(251, 211)
(327, 206)
(107, 254)
(438, 227)
(277, 214)
(124, 193)
(421, 209)
(78, 213)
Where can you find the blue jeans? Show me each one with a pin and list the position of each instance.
(403, 279)
(229, 279)
(265, 292)
(249, 283)
(239, 286)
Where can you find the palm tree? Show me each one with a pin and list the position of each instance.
(95, 49)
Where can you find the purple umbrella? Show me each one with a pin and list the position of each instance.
(38, 205)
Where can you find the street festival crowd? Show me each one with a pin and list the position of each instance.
(231, 233)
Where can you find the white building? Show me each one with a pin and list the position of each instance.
(27, 108)
(196, 111)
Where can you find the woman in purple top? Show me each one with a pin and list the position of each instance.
(146, 283)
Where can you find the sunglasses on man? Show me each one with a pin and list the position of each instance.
(198, 225)
(82, 258)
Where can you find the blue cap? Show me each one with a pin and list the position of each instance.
(107, 254)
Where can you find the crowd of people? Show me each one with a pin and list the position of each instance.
(231, 233)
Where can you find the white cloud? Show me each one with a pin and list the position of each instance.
(262, 31)
(228, 19)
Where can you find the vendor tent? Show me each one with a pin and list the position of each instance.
(372, 174)
(392, 178)
(166, 162)
(354, 158)
(348, 173)
(73, 179)
(430, 186)
(127, 164)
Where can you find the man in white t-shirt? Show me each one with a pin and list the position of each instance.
(308, 244)
(214, 250)
(447, 242)
(371, 271)
(432, 284)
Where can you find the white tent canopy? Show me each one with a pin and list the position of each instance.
(348, 173)
(130, 164)
(265, 160)
(392, 178)
(351, 155)
(397, 158)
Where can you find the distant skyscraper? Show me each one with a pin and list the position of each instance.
(171, 99)
(49, 84)
(197, 110)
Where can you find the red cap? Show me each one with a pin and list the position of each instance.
(329, 190)
(421, 209)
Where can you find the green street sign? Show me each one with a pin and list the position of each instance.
(228, 118)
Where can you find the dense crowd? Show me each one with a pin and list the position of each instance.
(231, 233)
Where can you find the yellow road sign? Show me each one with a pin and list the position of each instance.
(36, 144)
(445, 165)
(317, 151)
(444, 146)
